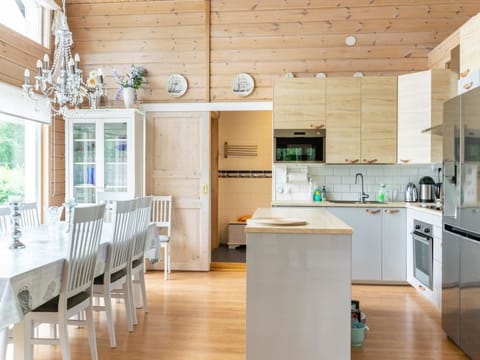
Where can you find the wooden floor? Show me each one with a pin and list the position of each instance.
(201, 316)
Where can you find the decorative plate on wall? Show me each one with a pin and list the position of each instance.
(176, 85)
(242, 84)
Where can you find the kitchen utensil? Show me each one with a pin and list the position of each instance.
(427, 193)
(411, 194)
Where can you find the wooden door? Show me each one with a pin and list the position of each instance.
(379, 120)
(470, 46)
(343, 120)
(178, 164)
(299, 103)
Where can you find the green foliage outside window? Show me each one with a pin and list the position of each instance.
(12, 159)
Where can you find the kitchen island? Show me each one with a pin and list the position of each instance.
(298, 285)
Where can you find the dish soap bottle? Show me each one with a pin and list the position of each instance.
(324, 193)
(316, 195)
(381, 193)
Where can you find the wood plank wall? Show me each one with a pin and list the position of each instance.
(163, 36)
(209, 41)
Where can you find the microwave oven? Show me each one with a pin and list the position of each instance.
(299, 145)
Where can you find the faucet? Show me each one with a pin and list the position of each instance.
(363, 195)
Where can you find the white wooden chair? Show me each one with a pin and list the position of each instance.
(76, 287)
(29, 215)
(3, 343)
(4, 219)
(162, 217)
(116, 281)
(109, 198)
(143, 209)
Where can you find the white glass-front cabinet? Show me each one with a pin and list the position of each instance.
(104, 152)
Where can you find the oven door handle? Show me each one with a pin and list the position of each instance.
(422, 238)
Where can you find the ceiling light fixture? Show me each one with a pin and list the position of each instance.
(63, 82)
(350, 40)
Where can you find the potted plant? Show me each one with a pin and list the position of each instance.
(129, 83)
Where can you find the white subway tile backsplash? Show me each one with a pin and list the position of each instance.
(339, 180)
(341, 170)
(333, 179)
(375, 170)
(341, 188)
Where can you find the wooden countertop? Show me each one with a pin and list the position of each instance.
(320, 204)
(318, 221)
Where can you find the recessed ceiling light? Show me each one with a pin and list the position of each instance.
(350, 40)
(320, 75)
(358, 74)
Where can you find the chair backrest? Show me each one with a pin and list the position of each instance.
(4, 219)
(109, 198)
(29, 215)
(123, 236)
(84, 238)
(162, 212)
(142, 218)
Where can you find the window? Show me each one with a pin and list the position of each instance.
(28, 18)
(19, 158)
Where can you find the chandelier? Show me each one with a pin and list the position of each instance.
(62, 82)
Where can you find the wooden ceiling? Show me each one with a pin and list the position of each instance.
(210, 41)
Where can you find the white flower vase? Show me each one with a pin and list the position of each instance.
(129, 96)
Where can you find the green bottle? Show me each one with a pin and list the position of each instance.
(381, 193)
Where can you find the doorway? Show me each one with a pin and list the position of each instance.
(241, 177)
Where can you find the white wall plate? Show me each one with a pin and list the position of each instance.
(242, 84)
(176, 85)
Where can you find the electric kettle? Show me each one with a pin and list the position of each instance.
(411, 194)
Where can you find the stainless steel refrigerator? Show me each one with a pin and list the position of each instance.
(461, 222)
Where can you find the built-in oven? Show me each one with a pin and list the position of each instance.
(422, 237)
(300, 145)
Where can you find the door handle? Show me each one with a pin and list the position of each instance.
(352, 161)
(392, 211)
(205, 188)
(372, 212)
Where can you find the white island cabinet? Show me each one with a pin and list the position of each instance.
(104, 152)
(298, 286)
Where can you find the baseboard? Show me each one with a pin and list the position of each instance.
(228, 266)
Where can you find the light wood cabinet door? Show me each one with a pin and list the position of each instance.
(470, 45)
(414, 97)
(379, 120)
(420, 106)
(343, 120)
(299, 103)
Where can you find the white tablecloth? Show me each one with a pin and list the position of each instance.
(31, 276)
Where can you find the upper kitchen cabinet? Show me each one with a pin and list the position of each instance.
(420, 109)
(361, 120)
(299, 103)
(104, 152)
(470, 46)
(378, 133)
(343, 120)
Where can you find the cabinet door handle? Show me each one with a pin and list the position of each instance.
(369, 161)
(352, 161)
(464, 73)
(468, 85)
(404, 161)
(317, 126)
(392, 211)
(372, 212)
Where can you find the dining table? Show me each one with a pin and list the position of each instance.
(31, 276)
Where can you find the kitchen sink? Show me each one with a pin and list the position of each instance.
(356, 202)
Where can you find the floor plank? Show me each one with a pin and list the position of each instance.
(201, 316)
